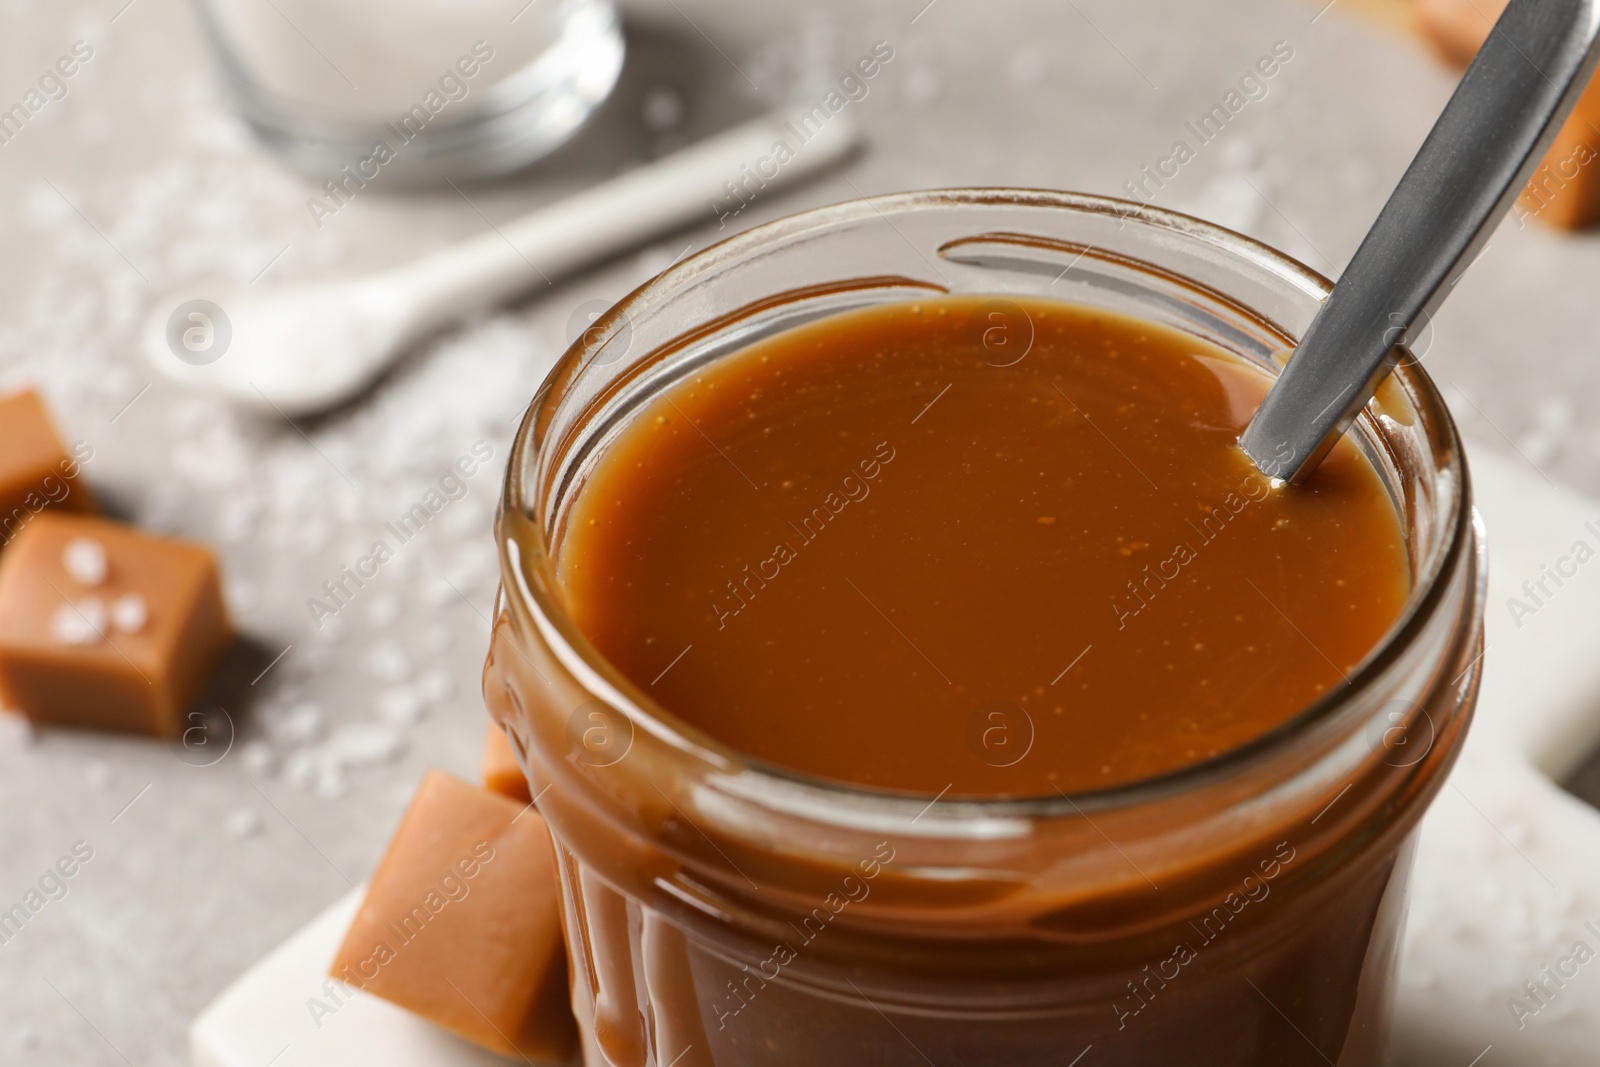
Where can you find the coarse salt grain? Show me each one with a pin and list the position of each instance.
(130, 613)
(436, 687)
(298, 725)
(332, 629)
(98, 772)
(242, 822)
(331, 782)
(79, 623)
(384, 610)
(300, 769)
(258, 758)
(84, 560)
(438, 592)
(1540, 445)
(401, 705)
(388, 662)
(364, 745)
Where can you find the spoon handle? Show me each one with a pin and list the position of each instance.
(1477, 157)
(712, 179)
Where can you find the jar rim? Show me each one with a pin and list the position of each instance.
(573, 650)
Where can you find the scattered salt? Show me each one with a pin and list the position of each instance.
(364, 745)
(84, 560)
(258, 758)
(384, 609)
(439, 593)
(401, 705)
(242, 822)
(262, 489)
(388, 662)
(1555, 413)
(331, 782)
(300, 769)
(436, 687)
(333, 629)
(1539, 446)
(98, 772)
(298, 725)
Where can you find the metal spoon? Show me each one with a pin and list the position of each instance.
(1485, 146)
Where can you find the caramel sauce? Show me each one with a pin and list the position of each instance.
(976, 547)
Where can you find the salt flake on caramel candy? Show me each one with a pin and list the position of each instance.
(84, 559)
(79, 623)
(130, 613)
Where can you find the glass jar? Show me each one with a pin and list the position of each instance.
(413, 90)
(1243, 911)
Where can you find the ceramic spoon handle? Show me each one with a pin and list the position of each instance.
(588, 226)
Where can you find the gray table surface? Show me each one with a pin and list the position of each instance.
(142, 180)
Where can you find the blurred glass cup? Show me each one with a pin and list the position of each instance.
(416, 90)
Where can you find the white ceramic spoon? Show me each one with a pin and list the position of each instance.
(305, 348)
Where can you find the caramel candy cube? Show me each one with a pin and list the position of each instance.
(36, 470)
(1458, 28)
(1565, 189)
(462, 923)
(501, 772)
(107, 627)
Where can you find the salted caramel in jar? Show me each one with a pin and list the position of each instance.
(911, 667)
